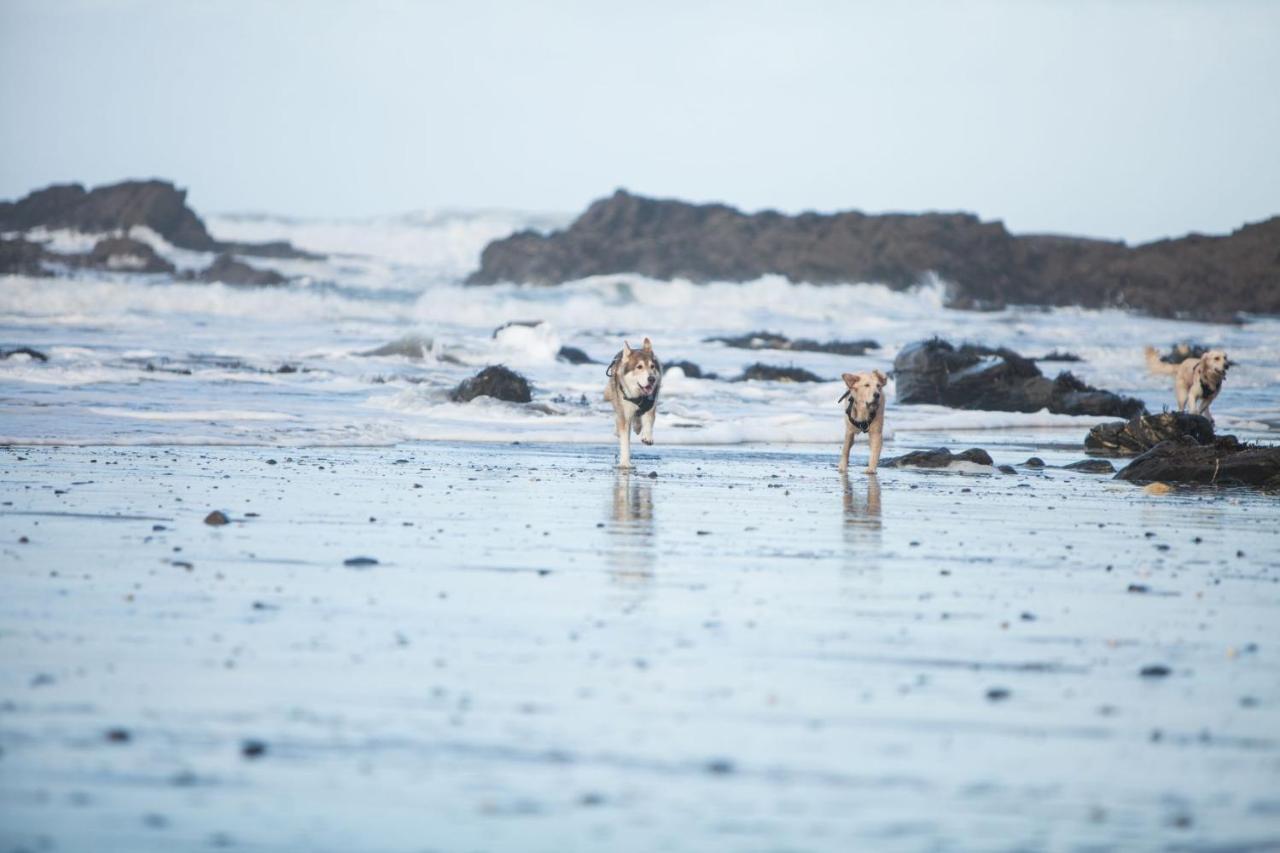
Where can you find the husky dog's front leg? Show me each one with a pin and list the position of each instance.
(624, 441)
(646, 425)
(848, 444)
(877, 439)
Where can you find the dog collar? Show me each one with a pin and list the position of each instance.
(862, 426)
(643, 403)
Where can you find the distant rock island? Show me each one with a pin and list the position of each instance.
(115, 209)
(982, 264)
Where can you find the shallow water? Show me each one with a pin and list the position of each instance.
(138, 361)
(744, 652)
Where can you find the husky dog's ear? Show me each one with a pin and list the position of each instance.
(880, 378)
(849, 379)
(648, 345)
(626, 348)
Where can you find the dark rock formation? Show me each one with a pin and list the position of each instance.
(126, 255)
(1060, 356)
(976, 377)
(771, 373)
(690, 369)
(226, 269)
(33, 354)
(1179, 353)
(938, 458)
(22, 257)
(1140, 434)
(507, 325)
(573, 355)
(1091, 466)
(985, 265)
(494, 381)
(158, 205)
(771, 340)
(1224, 462)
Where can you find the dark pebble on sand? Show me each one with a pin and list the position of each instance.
(704, 532)
(217, 518)
(1155, 670)
(118, 735)
(653, 475)
(997, 694)
(271, 462)
(1027, 616)
(22, 540)
(253, 749)
(156, 528)
(1007, 469)
(359, 562)
(1138, 587)
(591, 799)
(720, 766)
(1034, 462)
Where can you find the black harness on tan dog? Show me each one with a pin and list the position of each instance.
(644, 402)
(861, 426)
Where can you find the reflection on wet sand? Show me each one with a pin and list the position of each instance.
(861, 517)
(630, 528)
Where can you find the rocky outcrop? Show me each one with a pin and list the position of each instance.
(977, 377)
(157, 205)
(126, 255)
(772, 340)
(983, 264)
(939, 457)
(773, 373)
(495, 381)
(22, 257)
(228, 270)
(573, 355)
(1141, 433)
(691, 370)
(1224, 462)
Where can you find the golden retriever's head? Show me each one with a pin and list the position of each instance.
(638, 369)
(1215, 361)
(863, 396)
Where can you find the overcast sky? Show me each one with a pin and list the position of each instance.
(1132, 120)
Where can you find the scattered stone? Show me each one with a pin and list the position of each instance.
(1157, 488)
(1155, 670)
(1033, 462)
(771, 373)
(1060, 356)
(1226, 462)
(497, 381)
(1179, 353)
(978, 377)
(359, 562)
(690, 369)
(1007, 469)
(33, 354)
(1140, 434)
(939, 457)
(772, 340)
(573, 355)
(1091, 466)
(227, 270)
(997, 694)
(720, 766)
(118, 735)
(217, 518)
(253, 748)
(1138, 587)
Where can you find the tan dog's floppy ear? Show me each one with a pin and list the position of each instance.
(626, 348)
(880, 378)
(648, 345)
(849, 379)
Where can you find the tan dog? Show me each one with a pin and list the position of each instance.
(1196, 381)
(634, 378)
(863, 413)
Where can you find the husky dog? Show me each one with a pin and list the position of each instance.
(634, 377)
(863, 413)
(1196, 381)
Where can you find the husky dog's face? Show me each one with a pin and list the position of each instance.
(864, 394)
(638, 369)
(1215, 361)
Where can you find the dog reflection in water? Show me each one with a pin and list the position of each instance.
(631, 527)
(861, 514)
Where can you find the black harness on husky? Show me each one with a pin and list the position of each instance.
(644, 402)
(862, 426)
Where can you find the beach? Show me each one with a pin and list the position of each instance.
(463, 646)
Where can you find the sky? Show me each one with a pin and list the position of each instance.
(1128, 120)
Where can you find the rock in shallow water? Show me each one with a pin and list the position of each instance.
(497, 381)
(227, 270)
(772, 373)
(938, 458)
(1091, 466)
(1129, 438)
(977, 377)
(1225, 462)
(772, 340)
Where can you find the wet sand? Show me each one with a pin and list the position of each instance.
(727, 649)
